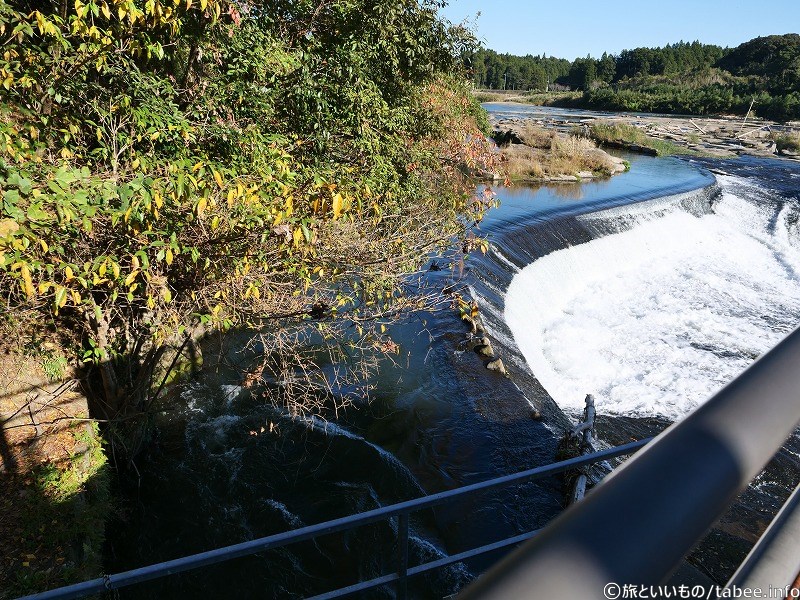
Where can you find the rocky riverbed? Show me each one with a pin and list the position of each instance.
(717, 136)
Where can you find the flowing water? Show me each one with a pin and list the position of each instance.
(650, 290)
(654, 319)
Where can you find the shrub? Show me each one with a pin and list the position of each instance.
(171, 169)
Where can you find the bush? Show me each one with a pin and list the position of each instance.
(169, 169)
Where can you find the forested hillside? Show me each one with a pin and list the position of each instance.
(685, 77)
(169, 168)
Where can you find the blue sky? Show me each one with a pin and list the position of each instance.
(573, 28)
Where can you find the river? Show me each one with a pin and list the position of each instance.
(649, 290)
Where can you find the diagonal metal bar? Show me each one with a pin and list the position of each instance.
(425, 567)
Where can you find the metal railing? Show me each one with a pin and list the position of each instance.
(636, 526)
(400, 511)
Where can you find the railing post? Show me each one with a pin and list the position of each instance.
(402, 555)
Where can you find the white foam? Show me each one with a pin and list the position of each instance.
(288, 516)
(330, 428)
(655, 319)
(495, 251)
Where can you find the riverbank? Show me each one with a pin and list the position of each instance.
(718, 136)
(53, 475)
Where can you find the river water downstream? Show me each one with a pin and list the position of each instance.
(650, 290)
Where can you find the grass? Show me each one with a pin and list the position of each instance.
(546, 154)
(548, 98)
(537, 98)
(630, 136)
(489, 96)
(54, 366)
(787, 141)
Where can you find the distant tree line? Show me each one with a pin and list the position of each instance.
(491, 70)
(684, 77)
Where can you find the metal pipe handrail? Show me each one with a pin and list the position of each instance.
(210, 557)
(640, 522)
(363, 586)
(775, 559)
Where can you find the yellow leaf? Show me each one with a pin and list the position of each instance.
(76, 298)
(135, 262)
(115, 269)
(297, 236)
(68, 273)
(44, 286)
(135, 164)
(203, 4)
(131, 276)
(106, 10)
(231, 197)
(289, 205)
(159, 200)
(27, 286)
(103, 268)
(201, 206)
(217, 177)
(167, 295)
(169, 256)
(338, 205)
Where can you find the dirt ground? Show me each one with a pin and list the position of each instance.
(53, 492)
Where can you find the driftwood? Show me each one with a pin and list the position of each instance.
(585, 432)
(703, 131)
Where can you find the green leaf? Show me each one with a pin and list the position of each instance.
(61, 297)
(35, 212)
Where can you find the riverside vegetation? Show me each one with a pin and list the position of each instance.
(535, 154)
(169, 169)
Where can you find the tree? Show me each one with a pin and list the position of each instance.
(173, 169)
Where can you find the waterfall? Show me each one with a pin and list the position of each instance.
(663, 302)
